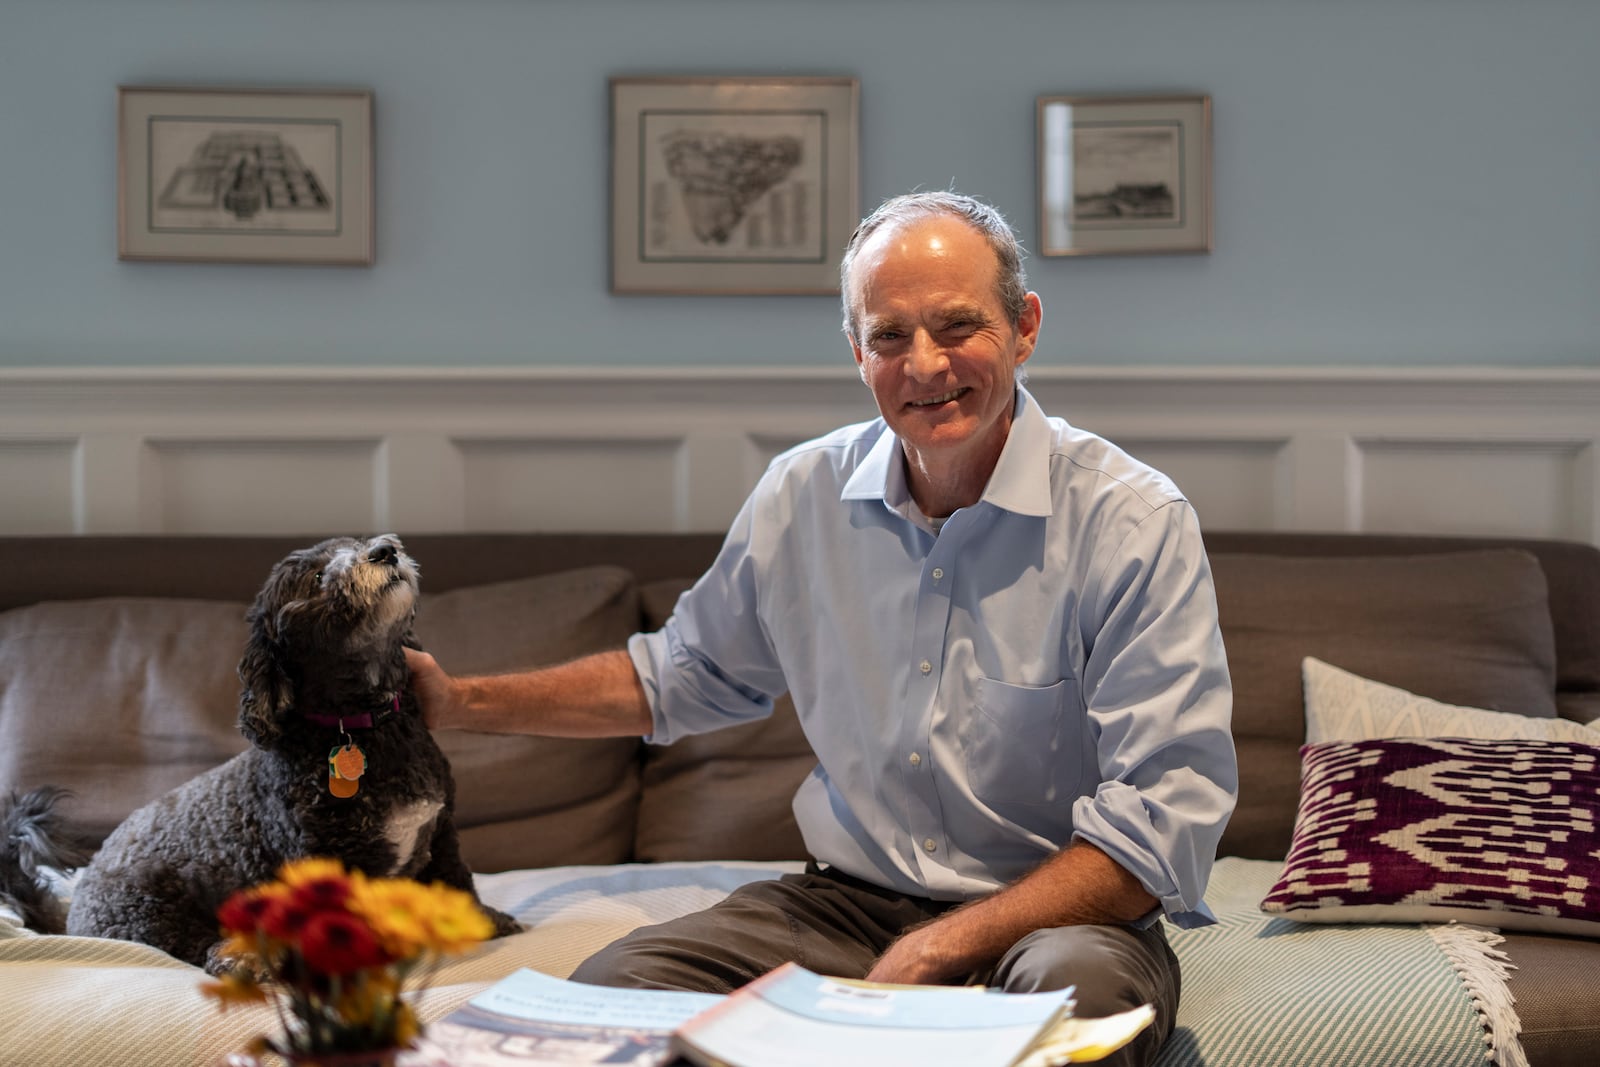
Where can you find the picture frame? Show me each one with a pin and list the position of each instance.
(1124, 174)
(744, 185)
(245, 175)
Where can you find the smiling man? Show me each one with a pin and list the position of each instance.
(1001, 637)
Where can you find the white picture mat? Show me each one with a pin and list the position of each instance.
(329, 134)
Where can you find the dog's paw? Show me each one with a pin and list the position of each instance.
(504, 925)
(246, 965)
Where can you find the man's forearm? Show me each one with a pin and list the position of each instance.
(595, 696)
(1078, 885)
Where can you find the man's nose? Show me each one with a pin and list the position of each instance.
(927, 358)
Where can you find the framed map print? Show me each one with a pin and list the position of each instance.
(1124, 174)
(244, 175)
(732, 185)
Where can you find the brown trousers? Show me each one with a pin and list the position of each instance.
(833, 924)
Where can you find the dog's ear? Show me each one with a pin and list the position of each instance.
(267, 692)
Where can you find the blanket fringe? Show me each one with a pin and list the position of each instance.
(1484, 968)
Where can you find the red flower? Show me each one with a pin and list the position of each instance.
(284, 917)
(322, 894)
(241, 913)
(335, 942)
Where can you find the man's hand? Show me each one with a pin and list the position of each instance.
(434, 688)
(915, 960)
(1079, 884)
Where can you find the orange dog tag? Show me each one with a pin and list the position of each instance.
(346, 765)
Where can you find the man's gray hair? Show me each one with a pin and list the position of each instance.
(989, 223)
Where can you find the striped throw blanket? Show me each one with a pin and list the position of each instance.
(1260, 990)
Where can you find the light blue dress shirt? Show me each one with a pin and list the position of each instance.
(1047, 665)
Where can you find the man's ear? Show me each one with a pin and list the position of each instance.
(1028, 324)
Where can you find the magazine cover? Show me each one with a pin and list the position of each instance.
(529, 1018)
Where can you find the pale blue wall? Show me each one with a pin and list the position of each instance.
(1397, 181)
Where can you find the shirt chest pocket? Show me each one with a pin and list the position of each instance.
(1023, 746)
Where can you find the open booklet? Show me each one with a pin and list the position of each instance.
(791, 1016)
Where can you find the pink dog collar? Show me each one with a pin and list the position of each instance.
(362, 721)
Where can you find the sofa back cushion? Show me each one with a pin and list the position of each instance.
(118, 699)
(726, 794)
(536, 801)
(1470, 628)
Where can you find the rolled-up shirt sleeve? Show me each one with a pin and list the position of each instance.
(1160, 702)
(688, 690)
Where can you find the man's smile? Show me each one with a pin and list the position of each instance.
(943, 398)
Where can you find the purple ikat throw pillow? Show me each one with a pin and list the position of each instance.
(1497, 833)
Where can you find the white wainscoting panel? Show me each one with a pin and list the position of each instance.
(1478, 487)
(217, 485)
(572, 484)
(315, 450)
(39, 484)
(1233, 485)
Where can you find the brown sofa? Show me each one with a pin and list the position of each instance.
(117, 657)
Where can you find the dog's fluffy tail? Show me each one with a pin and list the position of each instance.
(33, 836)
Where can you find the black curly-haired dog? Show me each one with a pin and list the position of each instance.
(340, 765)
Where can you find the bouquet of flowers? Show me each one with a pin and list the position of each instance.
(333, 950)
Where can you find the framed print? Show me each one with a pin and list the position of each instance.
(731, 185)
(244, 175)
(1121, 174)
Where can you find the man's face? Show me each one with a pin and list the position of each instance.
(934, 343)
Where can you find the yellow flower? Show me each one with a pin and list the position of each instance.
(395, 909)
(234, 989)
(455, 922)
(300, 872)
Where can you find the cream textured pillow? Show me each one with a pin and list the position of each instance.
(1341, 706)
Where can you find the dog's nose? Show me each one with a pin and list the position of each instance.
(383, 552)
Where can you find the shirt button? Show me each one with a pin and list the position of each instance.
(925, 667)
(938, 572)
(916, 759)
(929, 844)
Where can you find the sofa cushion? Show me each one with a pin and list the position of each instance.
(124, 699)
(118, 699)
(726, 794)
(1435, 830)
(1469, 628)
(1341, 706)
(536, 801)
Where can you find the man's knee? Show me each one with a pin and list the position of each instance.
(642, 961)
(1112, 969)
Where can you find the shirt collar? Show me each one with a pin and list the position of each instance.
(1020, 482)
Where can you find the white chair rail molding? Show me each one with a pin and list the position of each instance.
(259, 450)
